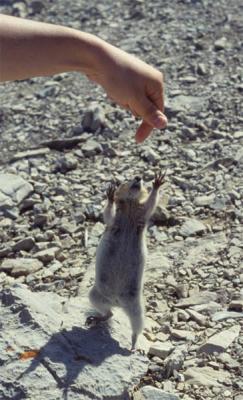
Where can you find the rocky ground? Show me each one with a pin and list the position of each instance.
(58, 153)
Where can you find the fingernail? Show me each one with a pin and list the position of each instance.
(160, 121)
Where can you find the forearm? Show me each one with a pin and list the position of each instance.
(151, 203)
(109, 213)
(30, 48)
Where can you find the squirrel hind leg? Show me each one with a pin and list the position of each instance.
(135, 312)
(101, 304)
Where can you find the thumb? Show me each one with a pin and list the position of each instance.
(151, 114)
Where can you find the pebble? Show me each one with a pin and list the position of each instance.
(47, 255)
(161, 350)
(94, 118)
(91, 148)
(24, 244)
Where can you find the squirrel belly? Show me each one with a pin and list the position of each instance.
(120, 261)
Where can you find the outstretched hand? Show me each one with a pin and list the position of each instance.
(133, 85)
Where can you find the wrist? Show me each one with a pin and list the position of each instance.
(86, 53)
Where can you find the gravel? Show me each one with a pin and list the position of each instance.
(63, 142)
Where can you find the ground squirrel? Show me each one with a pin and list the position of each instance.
(121, 253)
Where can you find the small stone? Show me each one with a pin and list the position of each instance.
(175, 360)
(182, 315)
(152, 393)
(25, 244)
(66, 163)
(182, 290)
(150, 155)
(202, 201)
(192, 227)
(236, 305)
(91, 148)
(37, 6)
(162, 337)
(221, 44)
(161, 350)
(182, 334)
(221, 341)
(201, 69)
(94, 118)
(4, 252)
(40, 220)
(47, 255)
(196, 316)
(238, 135)
(20, 266)
(160, 216)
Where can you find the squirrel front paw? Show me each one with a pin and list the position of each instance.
(159, 179)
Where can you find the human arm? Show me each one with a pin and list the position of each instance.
(29, 48)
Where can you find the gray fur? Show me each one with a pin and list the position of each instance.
(121, 257)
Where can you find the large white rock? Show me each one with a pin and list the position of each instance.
(205, 376)
(13, 189)
(192, 227)
(74, 362)
(221, 341)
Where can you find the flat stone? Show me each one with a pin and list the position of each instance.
(47, 255)
(221, 341)
(30, 153)
(202, 201)
(157, 263)
(20, 266)
(182, 334)
(205, 376)
(152, 393)
(13, 190)
(66, 360)
(196, 316)
(230, 362)
(238, 134)
(192, 227)
(161, 350)
(223, 315)
(196, 299)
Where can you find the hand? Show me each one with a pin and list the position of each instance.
(159, 179)
(134, 85)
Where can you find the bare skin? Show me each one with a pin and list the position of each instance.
(29, 48)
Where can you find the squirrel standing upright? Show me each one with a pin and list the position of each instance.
(121, 254)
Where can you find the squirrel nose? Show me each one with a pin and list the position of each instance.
(137, 178)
